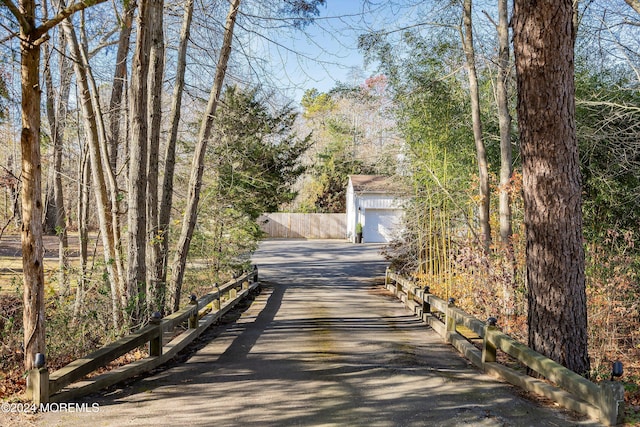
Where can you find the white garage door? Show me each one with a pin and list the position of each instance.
(380, 225)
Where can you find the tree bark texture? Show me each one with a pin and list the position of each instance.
(155, 287)
(31, 231)
(97, 172)
(506, 156)
(137, 218)
(84, 172)
(166, 201)
(544, 53)
(504, 120)
(56, 116)
(481, 153)
(31, 38)
(197, 166)
(109, 174)
(119, 78)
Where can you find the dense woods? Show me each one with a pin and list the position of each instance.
(111, 150)
(143, 134)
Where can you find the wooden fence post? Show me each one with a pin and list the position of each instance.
(193, 319)
(488, 349)
(450, 321)
(426, 304)
(38, 381)
(409, 297)
(611, 398)
(216, 303)
(155, 344)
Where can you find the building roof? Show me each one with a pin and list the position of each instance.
(377, 184)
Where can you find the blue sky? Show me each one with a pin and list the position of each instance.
(326, 51)
(329, 49)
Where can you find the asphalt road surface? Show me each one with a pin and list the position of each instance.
(322, 345)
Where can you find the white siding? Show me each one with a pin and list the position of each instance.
(384, 208)
(378, 201)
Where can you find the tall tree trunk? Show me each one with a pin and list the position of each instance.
(170, 155)
(506, 156)
(155, 287)
(84, 172)
(113, 140)
(557, 317)
(504, 119)
(137, 218)
(56, 116)
(481, 154)
(31, 37)
(97, 172)
(14, 191)
(49, 212)
(197, 166)
(119, 78)
(31, 232)
(111, 183)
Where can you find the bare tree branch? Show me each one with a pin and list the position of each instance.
(63, 14)
(608, 104)
(24, 24)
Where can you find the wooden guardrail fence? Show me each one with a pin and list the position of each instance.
(67, 383)
(603, 401)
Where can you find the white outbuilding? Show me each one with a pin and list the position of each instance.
(377, 203)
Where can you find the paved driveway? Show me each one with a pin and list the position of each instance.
(323, 344)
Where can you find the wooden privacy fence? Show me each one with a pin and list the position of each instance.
(304, 225)
(604, 401)
(67, 383)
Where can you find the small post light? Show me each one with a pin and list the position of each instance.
(38, 381)
(492, 321)
(39, 360)
(426, 303)
(156, 317)
(193, 319)
(616, 370)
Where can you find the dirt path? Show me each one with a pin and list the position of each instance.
(11, 246)
(11, 257)
(323, 344)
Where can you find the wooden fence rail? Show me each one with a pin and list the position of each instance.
(67, 383)
(603, 401)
